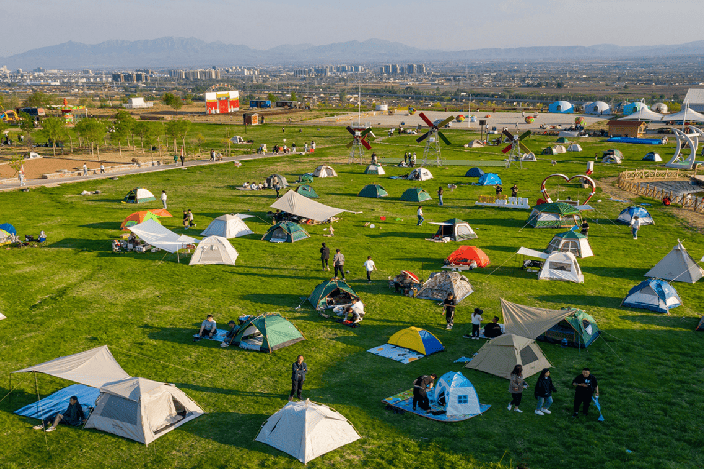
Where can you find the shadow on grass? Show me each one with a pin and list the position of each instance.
(663, 320)
(231, 392)
(285, 299)
(105, 225)
(231, 428)
(580, 300)
(17, 398)
(95, 245)
(179, 335)
(632, 273)
(505, 222)
(406, 234)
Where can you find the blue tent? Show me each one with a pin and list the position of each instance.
(561, 107)
(627, 215)
(9, 228)
(653, 294)
(474, 173)
(652, 156)
(489, 179)
(631, 108)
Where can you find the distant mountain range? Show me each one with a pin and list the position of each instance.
(191, 52)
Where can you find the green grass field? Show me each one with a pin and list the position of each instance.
(75, 294)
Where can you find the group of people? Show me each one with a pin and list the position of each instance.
(188, 219)
(339, 263)
(409, 159)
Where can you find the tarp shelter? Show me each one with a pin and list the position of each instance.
(137, 218)
(612, 155)
(465, 255)
(9, 228)
(301, 206)
(331, 293)
(678, 266)
(440, 284)
(652, 156)
(577, 329)
(141, 409)
(373, 191)
(556, 266)
(474, 173)
(415, 194)
(324, 171)
(156, 235)
(139, 196)
(285, 232)
(415, 338)
(214, 250)
(306, 430)
(489, 179)
(456, 394)
(500, 355)
(574, 147)
(272, 180)
(266, 333)
(307, 191)
(554, 215)
(528, 321)
(227, 226)
(455, 229)
(643, 215)
(374, 169)
(653, 294)
(570, 241)
(419, 174)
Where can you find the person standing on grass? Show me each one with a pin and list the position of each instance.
(369, 266)
(183, 159)
(421, 385)
(298, 377)
(585, 386)
(440, 193)
(476, 323)
(163, 198)
(515, 387)
(85, 169)
(635, 226)
(339, 263)
(325, 257)
(514, 191)
(543, 392)
(449, 305)
(585, 228)
(499, 190)
(420, 215)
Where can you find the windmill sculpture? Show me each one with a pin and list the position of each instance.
(432, 147)
(515, 147)
(358, 143)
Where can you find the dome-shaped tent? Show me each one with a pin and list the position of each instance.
(631, 108)
(285, 232)
(227, 226)
(457, 396)
(214, 250)
(554, 215)
(415, 194)
(489, 179)
(331, 292)
(652, 156)
(374, 169)
(474, 173)
(643, 215)
(612, 155)
(440, 284)
(574, 147)
(660, 107)
(597, 108)
(417, 339)
(138, 195)
(466, 255)
(455, 229)
(373, 191)
(267, 333)
(570, 241)
(324, 171)
(561, 107)
(419, 174)
(307, 191)
(653, 294)
(275, 179)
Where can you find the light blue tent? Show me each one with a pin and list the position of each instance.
(489, 179)
(653, 294)
(627, 215)
(561, 107)
(631, 108)
(474, 173)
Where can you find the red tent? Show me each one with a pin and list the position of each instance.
(466, 254)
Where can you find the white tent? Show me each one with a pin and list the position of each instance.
(227, 226)
(374, 169)
(141, 409)
(557, 266)
(597, 107)
(324, 171)
(420, 174)
(576, 147)
(685, 114)
(93, 368)
(559, 149)
(214, 250)
(678, 266)
(474, 144)
(643, 114)
(457, 395)
(570, 241)
(306, 430)
(529, 157)
(296, 204)
(157, 235)
(2, 316)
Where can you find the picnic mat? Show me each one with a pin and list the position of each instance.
(396, 353)
(58, 402)
(219, 335)
(404, 401)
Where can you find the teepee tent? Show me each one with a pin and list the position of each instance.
(456, 394)
(653, 294)
(306, 430)
(500, 355)
(466, 255)
(678, 266)
(374, 169)
(554, 215)
(420, 174)
(527, 321)
(440, 284)
(141, 409)
(415, 194)
(415, 338)
(138, 195)
(627, 215)
(266, 333)
(570, 241)
(455, 229)
(227, 226)
(307, 191)
(214, 250)
(373, 191)
(285, 232)
(324, 171)
(332, 292)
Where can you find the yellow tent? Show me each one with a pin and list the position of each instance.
(417, 339)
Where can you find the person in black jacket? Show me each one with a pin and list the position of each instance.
(325, 257)
(586, 386)
(543, 392)
(493, 329)
(449, 305)
(420, 389)
(73, 415)
(298, 376)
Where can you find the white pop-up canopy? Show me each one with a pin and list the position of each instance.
(157, 235)
(643, 114)
(296, 204)
(685, 114)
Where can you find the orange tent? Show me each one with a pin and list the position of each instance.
(466, 254)
(139, 217)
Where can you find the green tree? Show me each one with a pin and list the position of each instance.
(176, 130)
(172, 100)
(53, 129)
(293, 96)
(272, 98)
(123, 128)
(93, 131)
(39, 99)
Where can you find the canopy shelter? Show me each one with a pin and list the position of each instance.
(466, 255)
(8, 228)
(324, 171)
(678, 266)
(374, 169)
(415, 194)
(527, 321)
(685, 115)
(474, 173)
(440, 284)
(653, 294)
(643, 114)
(301, 206)
(415, 338)
(140, 217)
(500, 355)
(643, 215)
(306, 430)
(285, 232)
(570, 241)
(138, 195)
(419, 174)
(554, 215)
(214, 250)
(331, 293)
(577, 329)
(141, 409)
(266, 333)
(373, 191)
(227, 226)
(455, 229)
(156, 235)
(307, 190)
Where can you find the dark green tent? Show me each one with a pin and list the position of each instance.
(307, 177)
(554, 215)
(415, 194)
(578, 329)
(307, 191)
(373, 191)
(337, 291)
(267, 333)
(285, 232)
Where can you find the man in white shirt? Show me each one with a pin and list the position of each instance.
(635, 226)
(420, 215)
(163, 198)
(369, 266)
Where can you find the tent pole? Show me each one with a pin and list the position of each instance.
(9, 391)
(36, 388)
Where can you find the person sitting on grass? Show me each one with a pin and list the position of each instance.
(355, 311)
(208, 327)
(73, 415)
(234, 328)
(493, 329)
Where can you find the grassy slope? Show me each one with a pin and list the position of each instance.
(76, 294)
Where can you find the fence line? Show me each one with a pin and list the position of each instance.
(634, 182)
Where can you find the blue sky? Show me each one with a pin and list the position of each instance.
(429, 24)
